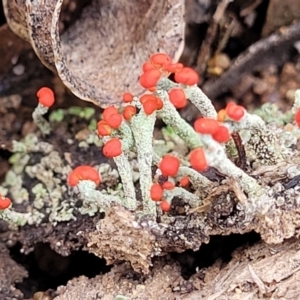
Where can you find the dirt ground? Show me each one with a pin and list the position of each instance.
(246, 51)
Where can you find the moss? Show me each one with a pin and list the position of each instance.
(57, 115)
(85, 113)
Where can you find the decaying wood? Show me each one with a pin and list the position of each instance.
(10, 274)
(255, 272)
(275, 216)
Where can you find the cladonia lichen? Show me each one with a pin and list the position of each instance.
(143, 179)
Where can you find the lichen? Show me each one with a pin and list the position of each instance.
(220, 199)
(35, 159)
(271, 114)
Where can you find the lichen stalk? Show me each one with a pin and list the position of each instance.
(142, 128)
(39, 120)
(94, 200)
(249, 122)
(201, 101)
(126, 134)
(194, 94)
(296, 105)
(216, 157)
(126, 175)
(197, 180)
(183, 194)
(172, 118)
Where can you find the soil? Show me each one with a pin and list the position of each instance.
(224, 260)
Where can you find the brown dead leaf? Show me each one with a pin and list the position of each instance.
(99, 57)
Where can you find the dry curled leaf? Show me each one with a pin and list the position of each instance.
(98, 57)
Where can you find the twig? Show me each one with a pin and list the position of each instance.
(267, 50)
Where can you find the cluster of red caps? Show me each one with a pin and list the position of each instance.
(169, 166)
(160, 65)
(216, 129)
(219, 132)
(111, 119)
